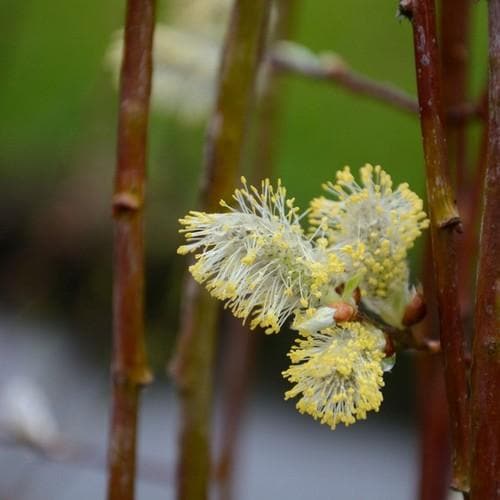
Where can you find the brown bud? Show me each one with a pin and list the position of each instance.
(389, 349)
(415, 310)
(343, 311)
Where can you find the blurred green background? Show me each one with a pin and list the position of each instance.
(57, 148)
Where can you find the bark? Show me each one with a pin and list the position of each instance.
(485, 467)
(445, 224)
(129, 364)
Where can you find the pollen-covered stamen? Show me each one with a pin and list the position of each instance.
(337, 373)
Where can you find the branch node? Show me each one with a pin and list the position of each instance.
(126, 201)
(452, 223)
(405, 9)
(140, 376)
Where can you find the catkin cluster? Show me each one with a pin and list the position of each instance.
(257, 257)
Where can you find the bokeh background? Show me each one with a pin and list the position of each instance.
(58, 110)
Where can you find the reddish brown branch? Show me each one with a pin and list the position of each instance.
(193, 364)
(404, 340)
(129, 365)
(444, 222)
(431, 401)
(455, 24)
(434, 429)
(480, 167)
(470, 207)
(485, 408)
(239, 360)
(455, 28)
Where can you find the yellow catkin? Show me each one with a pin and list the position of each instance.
(256, 257)
(337, 373)
(373, 225)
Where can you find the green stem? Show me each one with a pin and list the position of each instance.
(444, 224)
(241, 347)
(485, 408)
(129, 365)
(193, 363)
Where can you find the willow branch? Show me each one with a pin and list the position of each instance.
(471, 203)
(193, 363)
(294, 59)
(241, 344)
(455, 24)
(480, 167)
(434, 429)
(485, 466)
(400, 339)
(129, 365)
(268, 110)
(455, 28)
(291, 58)
(409, 339)
(432, 407)
(444, 223)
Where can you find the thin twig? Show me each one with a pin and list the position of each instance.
(444, 224)
(403, 340)
(400, 340)
(193, 363)
(485, 408)
(291, 58)
(129, 365)
(334, 69)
